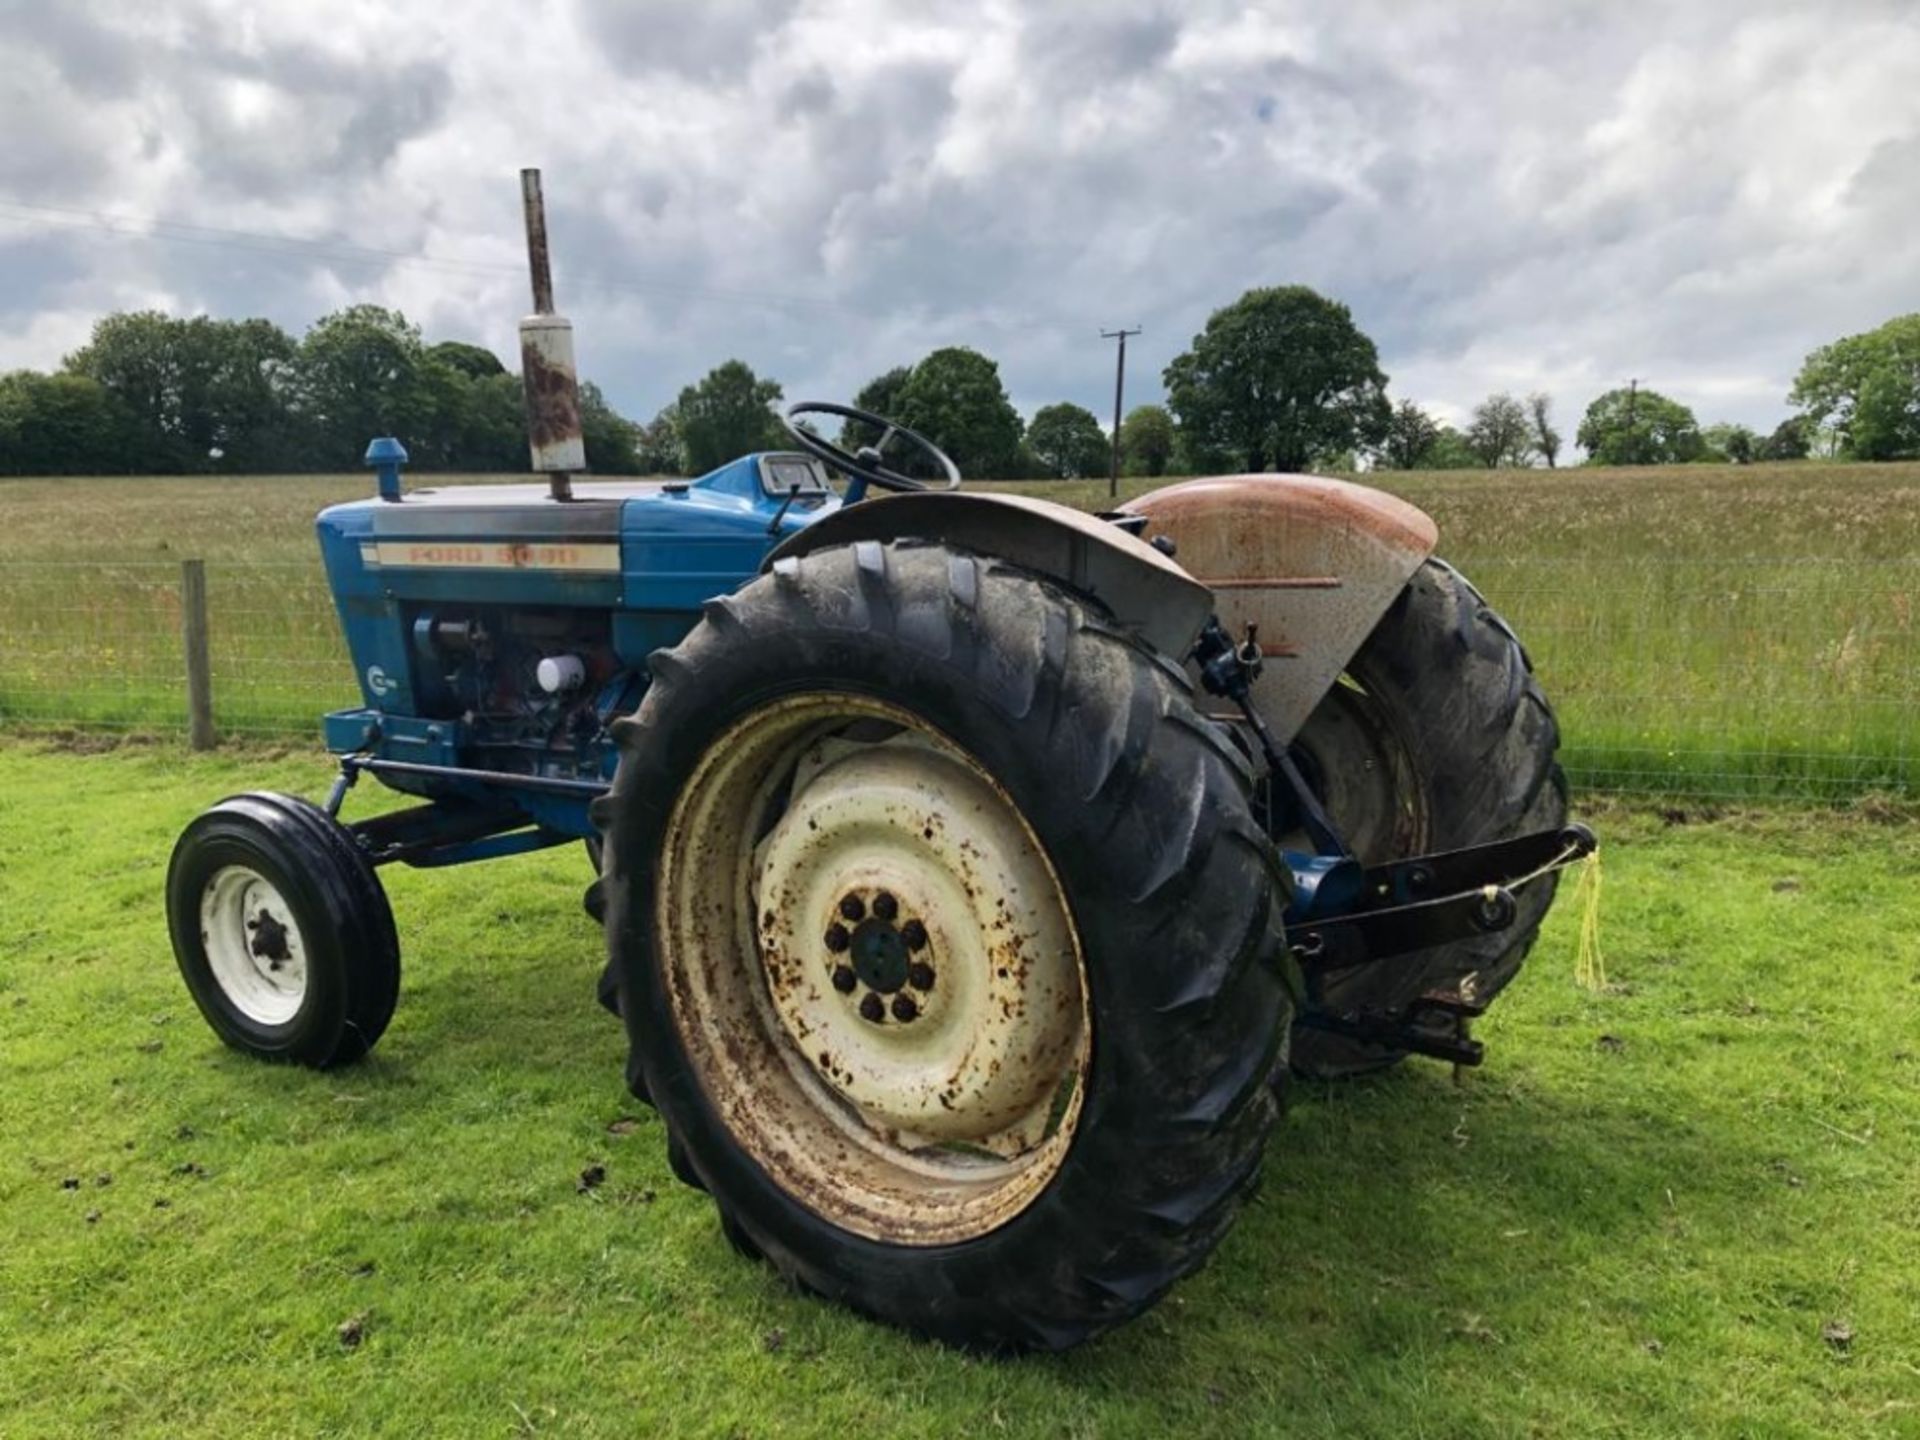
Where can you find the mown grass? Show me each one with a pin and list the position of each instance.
(1723, 630)
(1639, 1218)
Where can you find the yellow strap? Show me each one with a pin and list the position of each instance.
(1589, 966)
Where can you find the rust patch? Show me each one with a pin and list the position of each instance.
(1257, 501)
(1312, 563)
(553, 401)
(800, 1096)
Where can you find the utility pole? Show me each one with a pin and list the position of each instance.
(1633, 437)
(1119, 387)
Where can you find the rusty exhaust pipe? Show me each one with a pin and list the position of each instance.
(546, 361)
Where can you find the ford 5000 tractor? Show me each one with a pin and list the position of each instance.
(973, 870)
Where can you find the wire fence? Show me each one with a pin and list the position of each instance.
(1732, 679)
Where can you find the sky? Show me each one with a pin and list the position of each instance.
(1524, 196)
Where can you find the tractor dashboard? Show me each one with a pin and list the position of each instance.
(801, 476)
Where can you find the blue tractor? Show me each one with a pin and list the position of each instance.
(973, 871)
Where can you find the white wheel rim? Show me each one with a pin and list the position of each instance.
(253, 944)
(873, 968)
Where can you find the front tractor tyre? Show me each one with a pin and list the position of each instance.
(282, 931)
(947, 945)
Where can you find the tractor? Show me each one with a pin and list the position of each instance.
(974, 872)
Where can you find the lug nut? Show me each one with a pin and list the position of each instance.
(871, 1008)
(852, 908)
(885, 906)
(904, 1009)
(844, 979)
(920, 975)
(915, 934)
(837, 938)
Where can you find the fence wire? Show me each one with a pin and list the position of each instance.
(1726, 679)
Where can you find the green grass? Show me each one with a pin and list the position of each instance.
(1716, 629)
(1636, 1219)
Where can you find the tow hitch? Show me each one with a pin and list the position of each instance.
(1375, 921)
(1344, 915)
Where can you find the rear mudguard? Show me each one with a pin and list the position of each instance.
(1313, 563)
(1136, 582)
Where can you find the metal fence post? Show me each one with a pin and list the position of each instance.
(193, 632)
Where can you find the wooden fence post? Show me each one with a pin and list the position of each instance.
(193, 632)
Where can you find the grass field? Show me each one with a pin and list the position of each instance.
(1686, 1206)
(1714, 629)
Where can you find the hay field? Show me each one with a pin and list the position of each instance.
(1714, 630)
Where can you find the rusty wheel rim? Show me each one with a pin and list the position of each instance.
(873, 969)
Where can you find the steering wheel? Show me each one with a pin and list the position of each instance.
(864, 467)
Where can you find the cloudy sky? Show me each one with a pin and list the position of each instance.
(1514, 196)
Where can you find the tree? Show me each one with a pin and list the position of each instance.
(240, 395)
(195, 387)
(363, 372)
(727, 415)
(1734, 443)
(879, 396)
(66, 425)
(237, 400)
(1789, 441)
(476, 362)
(473, 423)
(1068, 442)
(1639, 427)
(610, 439)
(1885, 424)
(1546, 439)
(1410, 436)
(1192, 455)
(1280, 377)
(1146, 440)
(1501, 432)
(657, 447)
(954, 397)
(1450, 451)
(1867, 388)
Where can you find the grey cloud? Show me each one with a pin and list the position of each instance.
(1503, 194)
(79, 41)
(347, 119)
(811, 94)
(1101, 43)
(713, 39)
(37, 269)
(1889, 181)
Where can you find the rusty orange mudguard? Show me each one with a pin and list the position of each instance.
(1313, 563)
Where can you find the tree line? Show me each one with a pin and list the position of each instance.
(1281, 379)
(152, 394)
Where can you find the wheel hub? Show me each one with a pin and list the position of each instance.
(269, 939)
(936, 988)
(880, 951)
(254, 948)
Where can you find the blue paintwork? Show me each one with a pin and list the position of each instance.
(1323, 885)
(386, 455)
(679, 545)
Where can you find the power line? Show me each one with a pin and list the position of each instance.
(181, 232)
(153, 228)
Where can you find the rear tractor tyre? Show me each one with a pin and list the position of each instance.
(1437, 737)
(947, 945)
(282, 931)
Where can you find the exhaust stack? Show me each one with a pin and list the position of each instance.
(546, 361)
